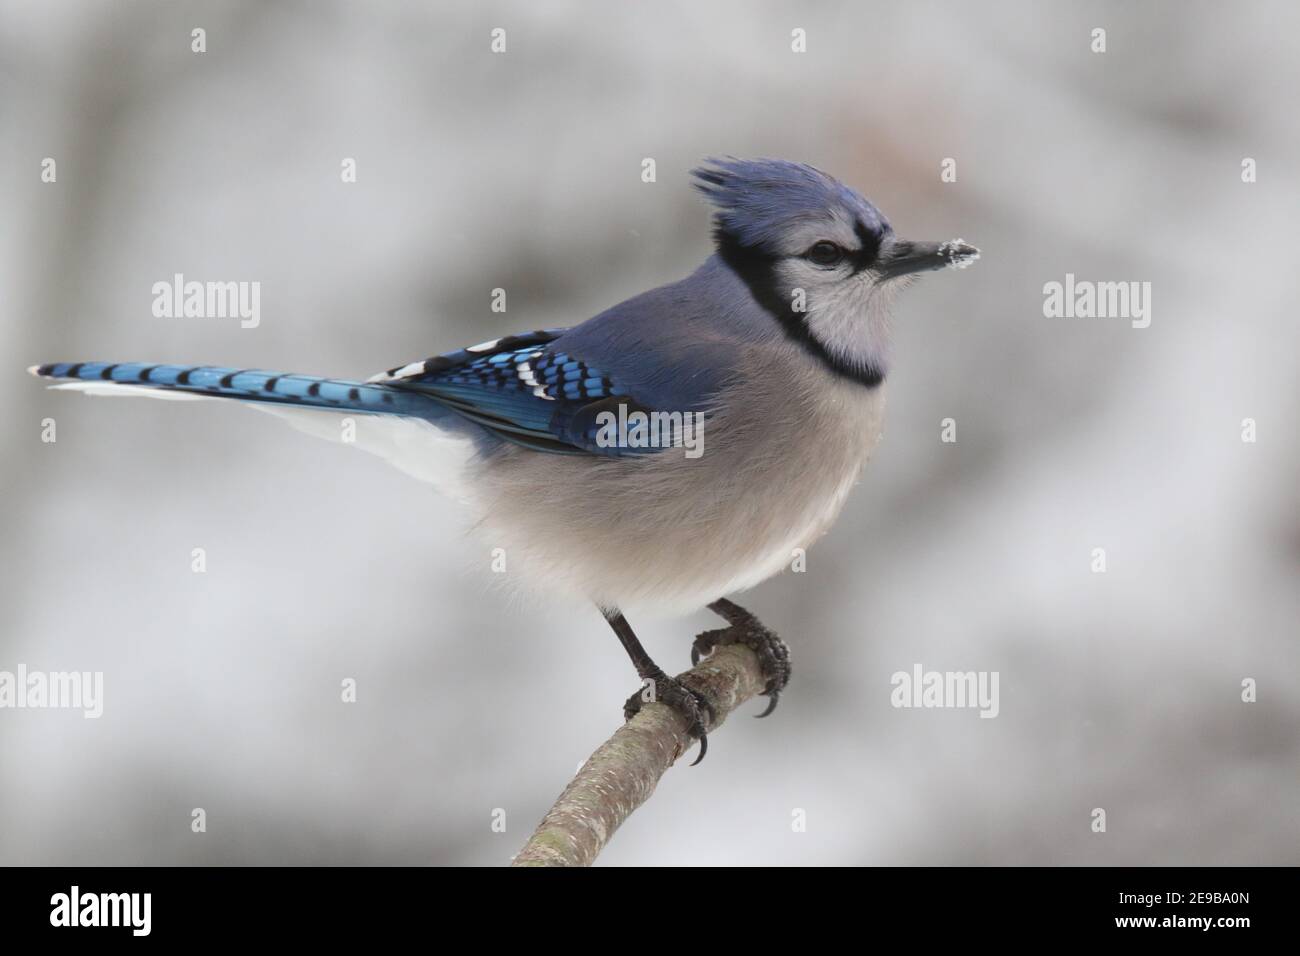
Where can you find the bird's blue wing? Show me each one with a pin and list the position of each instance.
(526, 389)
(670, 350)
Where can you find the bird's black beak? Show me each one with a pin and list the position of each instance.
(903, 257)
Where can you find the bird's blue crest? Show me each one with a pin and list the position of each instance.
(759, 200)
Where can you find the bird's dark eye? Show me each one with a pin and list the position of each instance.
(825, 253)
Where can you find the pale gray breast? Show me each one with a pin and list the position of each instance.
(781, 453)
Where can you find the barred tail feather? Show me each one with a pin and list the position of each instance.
(249, 385)
(409, 430)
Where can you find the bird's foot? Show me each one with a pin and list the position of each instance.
(744, 628)
(658, 687)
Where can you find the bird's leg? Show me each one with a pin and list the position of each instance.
(744, 628)
(691, 704)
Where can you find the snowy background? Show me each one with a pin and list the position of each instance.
(521, 170)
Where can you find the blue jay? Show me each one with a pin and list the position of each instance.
(779, 342)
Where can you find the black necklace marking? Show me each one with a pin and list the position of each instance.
(751, 267)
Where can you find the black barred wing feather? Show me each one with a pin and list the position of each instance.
(525, 390)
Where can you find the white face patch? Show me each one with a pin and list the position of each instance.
(846, 313)
(851, 321)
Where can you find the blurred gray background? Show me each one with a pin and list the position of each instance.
(1118, 690)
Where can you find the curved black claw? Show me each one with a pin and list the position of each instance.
(687, 701)
(744, 628)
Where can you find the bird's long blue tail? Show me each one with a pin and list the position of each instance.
(250, 385)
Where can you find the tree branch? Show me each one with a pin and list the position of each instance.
(621, 775)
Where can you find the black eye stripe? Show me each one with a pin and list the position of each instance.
(870, 241)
